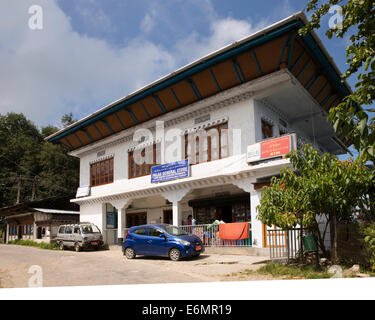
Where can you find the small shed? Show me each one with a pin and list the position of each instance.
(39, 220)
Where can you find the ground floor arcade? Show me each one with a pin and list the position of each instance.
(209, 202)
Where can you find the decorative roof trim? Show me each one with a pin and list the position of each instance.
(106, 157)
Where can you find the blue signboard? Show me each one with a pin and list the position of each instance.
(170, 171)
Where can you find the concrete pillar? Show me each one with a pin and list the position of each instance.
(35, 230)
(7, 234)
(256, 225)
(121, 206)
(177, 214)
(121, 225)
(175, 196)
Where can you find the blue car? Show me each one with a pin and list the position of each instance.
(162, 240)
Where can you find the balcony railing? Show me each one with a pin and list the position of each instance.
(210, 236)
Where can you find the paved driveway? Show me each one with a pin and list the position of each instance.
(68, 268)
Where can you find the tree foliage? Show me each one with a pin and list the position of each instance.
(31, 165)
(359, 26)
(368, 231)
(320, 190)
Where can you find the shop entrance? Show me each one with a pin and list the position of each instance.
(226, 213)
(227, 209)
(136, 219)
(168, 216)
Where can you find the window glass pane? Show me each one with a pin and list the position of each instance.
(267, 130)
(140, 231)
(93, 176)
(111, 171)
(149, 158)
(102, 175)
(224, 143)
(152, 232)
(97, 175)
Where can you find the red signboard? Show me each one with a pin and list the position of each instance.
(275, 147)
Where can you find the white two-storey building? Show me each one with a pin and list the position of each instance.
(212, 112)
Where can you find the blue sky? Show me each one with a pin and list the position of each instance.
(92, 52)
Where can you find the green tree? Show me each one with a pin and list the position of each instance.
(20, 143)
(60, 173)
(359, 26)
(48, 130)
(67, 120)
(321, 189)
(31, 168)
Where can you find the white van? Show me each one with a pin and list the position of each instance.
(79, 236)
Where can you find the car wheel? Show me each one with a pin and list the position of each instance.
(77, 247)
(175, 254)
(61, 245)
(129, 253)
(96, 248)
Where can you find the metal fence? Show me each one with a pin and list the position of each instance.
(209, 234)
(285, 244)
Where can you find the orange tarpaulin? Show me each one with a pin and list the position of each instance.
(234, 231)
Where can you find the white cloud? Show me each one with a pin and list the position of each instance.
(50, 72)
(149, 21)
(47, 73)
(223, 32)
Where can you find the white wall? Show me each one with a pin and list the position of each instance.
(93, 213)
(256, 225)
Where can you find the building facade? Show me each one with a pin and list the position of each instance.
(38, 220)
(256, 99)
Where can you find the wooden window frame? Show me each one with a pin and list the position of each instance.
(101, 172)
(197, 153)
(143, 169)
(267, 130)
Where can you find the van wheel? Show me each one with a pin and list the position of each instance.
(77, 247)
(175, 254)
(129, 253)
(61, 246)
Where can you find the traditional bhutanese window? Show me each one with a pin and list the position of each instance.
(267, 130)
(141, 161)
(101, 172)
(212, 145)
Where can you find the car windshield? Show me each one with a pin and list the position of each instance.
(174, 231)
(90, 229)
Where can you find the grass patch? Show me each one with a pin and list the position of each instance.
(29, 243)
(293, 271)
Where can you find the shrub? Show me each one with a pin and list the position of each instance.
(30, 243)
(368, 231)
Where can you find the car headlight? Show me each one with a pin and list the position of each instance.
(183, 242)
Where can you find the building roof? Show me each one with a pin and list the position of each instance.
(54, 211)
(58, 204)
(276, 47)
